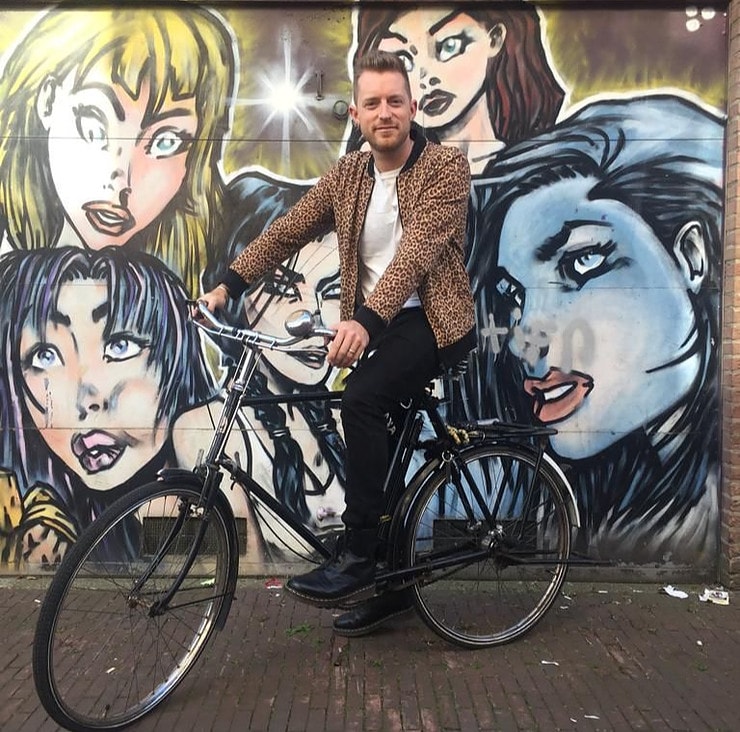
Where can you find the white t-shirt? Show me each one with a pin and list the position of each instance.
(381, 234)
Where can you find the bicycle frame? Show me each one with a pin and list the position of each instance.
(444, 447)
(484, 504)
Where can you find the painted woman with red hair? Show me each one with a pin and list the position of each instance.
(481, 77)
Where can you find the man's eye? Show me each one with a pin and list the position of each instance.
(45, 357)
(167, 143)
(122, 348)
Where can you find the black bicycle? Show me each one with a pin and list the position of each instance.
(479, 535)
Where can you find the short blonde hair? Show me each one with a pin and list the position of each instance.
(380, 61)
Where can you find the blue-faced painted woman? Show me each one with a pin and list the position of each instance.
(595, 264)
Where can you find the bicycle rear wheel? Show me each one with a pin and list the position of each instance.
(104, 653)
(492, 537)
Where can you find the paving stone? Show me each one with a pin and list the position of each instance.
(611, 657)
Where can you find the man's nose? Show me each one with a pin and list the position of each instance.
(385, 109)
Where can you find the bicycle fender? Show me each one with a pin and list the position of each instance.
(571, 503)
(181, 475)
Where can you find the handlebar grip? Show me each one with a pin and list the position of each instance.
(216, 325)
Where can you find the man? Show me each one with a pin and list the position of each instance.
(399, 212)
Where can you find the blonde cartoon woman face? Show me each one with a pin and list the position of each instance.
(115, 165)
(87, 388)
(446, 54)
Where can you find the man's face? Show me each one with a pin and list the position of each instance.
(383, 110)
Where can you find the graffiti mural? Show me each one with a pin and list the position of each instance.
(596, 272)
(90, 339)
(143, 148)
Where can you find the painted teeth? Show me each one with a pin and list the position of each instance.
(551, 395)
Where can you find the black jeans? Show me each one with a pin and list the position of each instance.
(397, 365)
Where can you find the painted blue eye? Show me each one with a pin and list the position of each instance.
(580, 266)
(588, 262)
(452, 46)
(46, 357)
(168, 142)
(122, 348)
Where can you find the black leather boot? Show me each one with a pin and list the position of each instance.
(374, 613)
(345, 577)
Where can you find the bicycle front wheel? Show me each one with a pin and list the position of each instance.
(107, 649)
(490, 535)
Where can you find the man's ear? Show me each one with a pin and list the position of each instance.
(690, 252)
(497, 34)
(45, 100)
(353, 115)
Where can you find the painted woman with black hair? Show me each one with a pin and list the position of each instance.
(299, 451)
(99, 360)
(596, 269)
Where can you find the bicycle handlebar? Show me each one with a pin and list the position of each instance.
(300, 325)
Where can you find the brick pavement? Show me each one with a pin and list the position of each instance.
(607, 657)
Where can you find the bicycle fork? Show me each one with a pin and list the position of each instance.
(161, 605)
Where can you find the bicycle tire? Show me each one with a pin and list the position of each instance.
(504, 594)
(100, 660)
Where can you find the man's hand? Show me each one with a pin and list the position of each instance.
(348, 344)
(216, 299)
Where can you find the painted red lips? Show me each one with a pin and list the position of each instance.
(97, 450)
(107, 218)
(559, 394)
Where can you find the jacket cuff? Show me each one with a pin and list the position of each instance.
(451, 355)
(235, 284)
(369, 320)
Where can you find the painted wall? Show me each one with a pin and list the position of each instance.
(142, 149)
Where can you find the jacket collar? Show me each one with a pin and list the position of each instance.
(419, 140)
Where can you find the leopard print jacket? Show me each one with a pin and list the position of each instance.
(433, 190)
